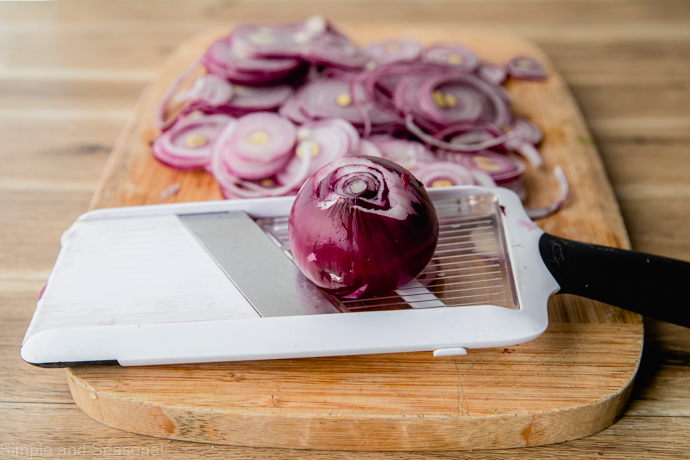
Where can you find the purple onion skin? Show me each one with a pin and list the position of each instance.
(357, 243)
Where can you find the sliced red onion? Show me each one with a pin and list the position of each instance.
(408, 154)
(527, 130)
(278, 41)
(501, 167)
(258, 146)
(389, 51)
(362, 226)
(292, 111)
(250, 99)
(368, 148)
(482, 178)
(332, 99)
(226, 61)
(326, 140)
(163, 121)
(450, 103)
(380, 83)
(459, 147)
(457, 56)
(526, 149)
(348, 129)
(208, 91)
(526, 68)
(233, 187)
(444, 174)
(491, 73)
(455, 98)
(188, 143)
(444, 96)
(540, 213)
(469, 133)
(336, 50)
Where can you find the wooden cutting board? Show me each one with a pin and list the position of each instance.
(573, 381)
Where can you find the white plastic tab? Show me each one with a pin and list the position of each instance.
(455, 351)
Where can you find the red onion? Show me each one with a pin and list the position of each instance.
(502, 168)
(457, 146)
(258, 146)
(362, 226)
(527, 130)
(444, 174)
(226, 61)
(368, 148)
(388, 51)
(163, 121)
(250, 99)
(292, 111)
(347, 128)
(187, 144)
(463, 96)
(327, 140)
(545, 211)
(336, 50)
(457, 56)
(526, 68)
(278, 41)
(325, 98)
(408, 154)
(233, 187)
(207, 92)
(492, 73)
(313, 75)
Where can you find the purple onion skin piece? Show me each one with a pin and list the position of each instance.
(362, 226)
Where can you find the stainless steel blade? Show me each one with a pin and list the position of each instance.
(271, 283)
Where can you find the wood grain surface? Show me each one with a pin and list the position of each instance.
(571, 382)
(71, 74)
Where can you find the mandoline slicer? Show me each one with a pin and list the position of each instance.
(213, 281)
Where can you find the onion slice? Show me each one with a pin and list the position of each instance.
(408, 154)
(334, 49)
(278, 41)
(250, 99)
(227, 61)
(327, 98)
(162, 119)
(389, 51)
(188, 143)
(326, 140)
(431, 140)
(491, 73)
(257, 146)
(526, 68)
(456, 56)
(545, 211)
(444, 174)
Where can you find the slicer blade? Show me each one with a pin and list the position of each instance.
(273, 285)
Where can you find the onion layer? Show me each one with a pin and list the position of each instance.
(188, 143)
(258, 146)
(362, 226)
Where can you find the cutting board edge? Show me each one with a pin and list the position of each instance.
(464, 433)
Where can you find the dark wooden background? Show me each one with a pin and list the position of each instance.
(71, 72)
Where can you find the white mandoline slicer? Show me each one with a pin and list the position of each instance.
(213, 281)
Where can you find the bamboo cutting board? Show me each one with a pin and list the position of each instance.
(571, 382)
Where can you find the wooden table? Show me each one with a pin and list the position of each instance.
(70, 73)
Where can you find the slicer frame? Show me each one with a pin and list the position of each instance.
(175, 340)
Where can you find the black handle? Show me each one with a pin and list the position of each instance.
(653, 286)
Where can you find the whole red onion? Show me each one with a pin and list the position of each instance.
(362, 226)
